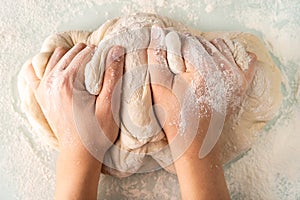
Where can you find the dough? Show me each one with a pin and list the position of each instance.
(140, 142)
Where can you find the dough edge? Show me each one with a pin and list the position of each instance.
(240, 131)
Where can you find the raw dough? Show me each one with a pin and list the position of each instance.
(141, 146)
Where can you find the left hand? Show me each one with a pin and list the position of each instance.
(58, 93)
(55, 92)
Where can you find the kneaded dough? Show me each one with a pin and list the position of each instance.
(141, 146)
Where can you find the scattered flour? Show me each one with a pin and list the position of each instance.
(269, 171)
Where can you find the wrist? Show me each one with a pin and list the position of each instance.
(79, 156)
(77, 176)
(201, 178)
(73, 149)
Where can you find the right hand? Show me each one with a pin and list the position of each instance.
(169, 99)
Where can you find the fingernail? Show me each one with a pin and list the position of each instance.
(252, 56)
(92, 46)
(156, 32)
(117, 53)
(187, 34)
(157, 41)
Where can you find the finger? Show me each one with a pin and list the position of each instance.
(252, 66)
(58, 53)
(174, 55)
(224, 49)
(243, 59)
(31, 77)
(39, 63)
(247, 69)
(220, 60)
(247, 74)
(80, 60)
(65, 61)
(188, 46)
(157, 62)
(196, 58)
(231, 72)
(112, 74)
(109, 100)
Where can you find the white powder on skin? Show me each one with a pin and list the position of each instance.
(269, 171)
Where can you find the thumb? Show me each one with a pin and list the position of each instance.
(31, 77)
(113, 73)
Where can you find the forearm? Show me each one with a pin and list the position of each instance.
(201, 178)
(77, 175)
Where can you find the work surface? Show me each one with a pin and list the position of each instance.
(270, 170)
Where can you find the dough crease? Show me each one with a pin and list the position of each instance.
(142, 145)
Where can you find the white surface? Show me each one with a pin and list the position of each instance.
(271, 170)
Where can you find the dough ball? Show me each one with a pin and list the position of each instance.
(142, 145)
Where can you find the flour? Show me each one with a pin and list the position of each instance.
(139, 126)
(239, 53)
(174, 56)
(130, 40)
(27, 168)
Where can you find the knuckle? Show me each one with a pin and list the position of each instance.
(60, 50)
(106, 97)
(66, 80)
(114, 73)
(116, 53)
(215, 40)
(149, 50)
(80, 45)
(62, 64)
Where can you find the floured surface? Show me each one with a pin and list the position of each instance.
(27, 170)
(141, 137)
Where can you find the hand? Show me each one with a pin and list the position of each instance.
(207, 65)
(57, 93)
(54, 93)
